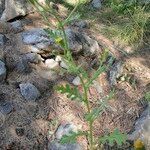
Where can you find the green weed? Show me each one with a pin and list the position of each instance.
(72, 92)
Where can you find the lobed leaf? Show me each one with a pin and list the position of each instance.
(113, 137)
(72, 137)
(71, 93)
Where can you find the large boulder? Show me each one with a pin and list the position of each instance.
(14, 8)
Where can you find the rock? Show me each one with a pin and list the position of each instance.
(20, 131)
(90, 46)
(2, 119)
(96, 4)
(51, 64)
(64, 130)
(3, 40)
(15, 8)
(142, 128)
(38, 38)
(22, 65)
(17, 26)
(58, 58)
(76, 81)
(74, 39)
(80, 42)
(115, 72)
(35, 49)
(33, 58)
(64, 65)
(6, 108)
(2, 71)
(29, 91)
(57, 146)
(80, 24)
(2, 6)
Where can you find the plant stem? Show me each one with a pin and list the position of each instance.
(90, 123)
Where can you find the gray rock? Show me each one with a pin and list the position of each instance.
(17, 26)
(2, 71)
(80, 42)
(36, 36)
(96, 4)
(76, 81)
(33, 58)
(58, 146)
(6, 108)
(64, 65)
(3, 40)
(29, 91)
(15, 8)
(64, 130)
(2, 6)
(142, 128)
(115, 72)
(81, 24)
(22, 65)
(38, 39)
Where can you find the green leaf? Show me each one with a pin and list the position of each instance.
(93, 115)
(71, 93)
(54, 33)
(72, 137)
(147, 96)
(113, 137)
(71, 19)
(100, 70)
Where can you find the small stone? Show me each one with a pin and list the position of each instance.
(65, 130)
(51, 63)
(81, 24)
(33, 58)
(3, 40)
(23, 66)
(20, 131)
(57, 146)
(2, 71)
(17, 26)
(63, 65)
(58, 58)
(115, 72)
(6, 108)
(96, 4)
(29, 91)
(76, 81)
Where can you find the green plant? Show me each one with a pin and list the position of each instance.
(59, 35)
(129, 22)
(147, 96)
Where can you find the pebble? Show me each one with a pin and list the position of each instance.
(29, 91)
(51, 63)
(76, 81)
